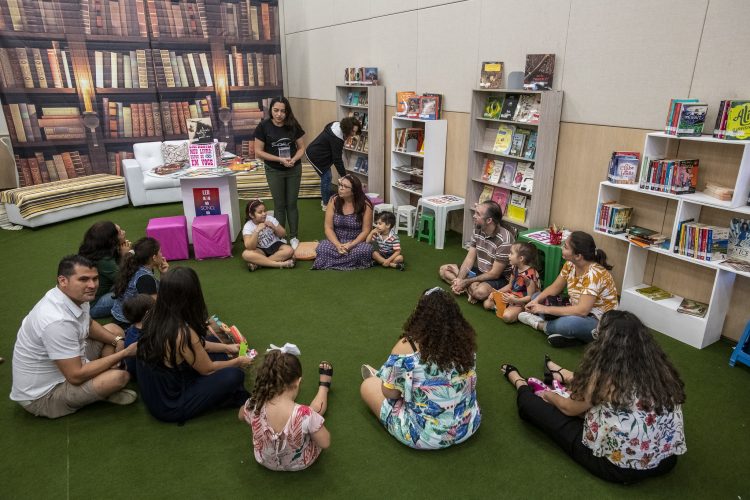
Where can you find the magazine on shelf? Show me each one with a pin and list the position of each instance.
(509, 171)
(491, 76)
(693, 308)
(402, 101)
(493, 107)
(497, 170)
(503, 139)
(540, 69)
(739, 240)
(654, 293)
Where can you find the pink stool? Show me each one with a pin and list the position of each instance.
(211, 236)
(171, 233)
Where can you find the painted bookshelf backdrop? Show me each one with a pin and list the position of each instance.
(140, 66)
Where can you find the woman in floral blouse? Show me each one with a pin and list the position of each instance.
(622, 417)
(425, 393)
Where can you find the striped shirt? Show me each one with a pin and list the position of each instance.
(389, 244)
(491, 248)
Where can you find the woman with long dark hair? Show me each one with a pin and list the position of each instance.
(279, 142)
(348, 221)
(104, 244)
(425, 393)
(591, 289)
(620, 414)
(137, 275)
(177, 376)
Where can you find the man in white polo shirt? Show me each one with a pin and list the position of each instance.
(55, 372)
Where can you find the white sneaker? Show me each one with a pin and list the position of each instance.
(530, 319)
(294, 242)
(123, 397)
(323, 206)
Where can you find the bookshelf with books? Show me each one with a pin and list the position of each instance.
(364, 155)
(513, 148)
(140, 66)
(417, 159)
(699, 216)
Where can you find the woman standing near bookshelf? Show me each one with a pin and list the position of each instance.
(180, 374)
(104, 244)
(620, 414)
(279, 142)
(591, 289)
(326, 149)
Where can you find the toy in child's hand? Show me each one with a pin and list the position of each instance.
(251, 353)
(243, 349)
(237, 336)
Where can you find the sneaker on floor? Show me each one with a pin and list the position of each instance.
(123, 397)
(401, 266)
(557, 340)
(294, 242)
(530, 319)
(368, 371)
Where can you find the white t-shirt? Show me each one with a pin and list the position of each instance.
(267, 237)
(56, 328)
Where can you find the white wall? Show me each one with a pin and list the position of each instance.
(618, 61)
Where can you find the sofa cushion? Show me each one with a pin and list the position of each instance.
(148, 155)
(174, 153)
(158, 182)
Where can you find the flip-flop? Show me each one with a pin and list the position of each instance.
(325, 371)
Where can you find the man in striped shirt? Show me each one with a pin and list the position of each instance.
(486, 265)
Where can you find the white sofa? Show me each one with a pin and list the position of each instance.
(145, 189)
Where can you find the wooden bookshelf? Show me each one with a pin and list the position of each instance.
(192, 27)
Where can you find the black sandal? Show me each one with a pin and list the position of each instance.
(549, 373)
(507, 369)
(325, 371)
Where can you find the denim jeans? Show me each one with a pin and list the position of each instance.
(576, 327)
(325, 186)
(103, 307)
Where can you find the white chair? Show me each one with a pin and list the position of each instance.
(380, 207)
(146, 189)
(406, 219)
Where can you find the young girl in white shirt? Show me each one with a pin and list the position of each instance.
(263, 238)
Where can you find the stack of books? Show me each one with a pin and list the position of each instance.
(409, 185)
(141, 119)
(113, 17)
(361, 165)
(247, 149)
(253, 69)
(613, 217)
(522, 108)
(701, 241)
(654, 293)
(176, 19)
(114, 160)
(24, 124)
(686, 117)
(41, 17)
(24, 67)
(644, 237)
(357, 143)
(722, 193)
(45, 167)
(732, 120)
(409, 140)
(669, 176)
(623, 167)
(361, 76)
(499, 195)
(420, 107)
(243, 19)
(693, 308)
(246, 115)
(128, 70)
(182, 70)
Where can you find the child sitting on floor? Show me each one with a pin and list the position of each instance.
(286, 436)
(510, 300)
(262, 235)
(135, 310)
(385, 242)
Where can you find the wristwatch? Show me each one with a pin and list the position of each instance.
(117, 339)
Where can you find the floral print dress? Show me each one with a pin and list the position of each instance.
(438, 408)
(634, 438)
(292, 449)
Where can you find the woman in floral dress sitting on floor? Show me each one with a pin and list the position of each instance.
(425, 393)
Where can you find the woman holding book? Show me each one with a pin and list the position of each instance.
(591, 289)
(326, 150)
(279, 142)
(620, 414)
(180, 374)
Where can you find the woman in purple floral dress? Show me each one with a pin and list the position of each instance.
(348, 220)
(620, 416)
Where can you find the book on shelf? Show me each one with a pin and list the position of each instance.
(246, 115)
(739, 239)
(503, 139)
(415, 187)
(673, 176)
(529, 150)
(485, 195)
(22, 67)
(171, 69)
(644, 237)
(132, 69)
(509, 172)
(654, 293)
(114, 160)
(520, 174)
(491, 76)
(673, 114)
(402, 101)
(247, 149)
(693, 308)
(518, 141)
(501, 196)
(509, 106)
(540, 69)
(685, 117)
(517, 207)
(527, 109)
(41, 17)
(722, 193)
(613, 218)
(253, 69)
(26, 124)
(178, 19)
(732, 121)
(623, 167)
(428, 108)
(527, 181)
(413, 105)
(414, 140)
(497, 171)
(41, 167)
(493, 107)
(702, 241)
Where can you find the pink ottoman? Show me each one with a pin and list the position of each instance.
(211, 236)
(171, 233)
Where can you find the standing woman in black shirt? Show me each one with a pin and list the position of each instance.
(279, 142)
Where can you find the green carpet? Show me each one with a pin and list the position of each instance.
(105, 451)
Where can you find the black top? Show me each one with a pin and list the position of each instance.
(325, 150)
(147, 284)
(274, 137)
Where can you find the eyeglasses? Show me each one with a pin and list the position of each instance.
(344, 186)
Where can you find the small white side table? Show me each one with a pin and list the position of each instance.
(441, 204)
(228, 199)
